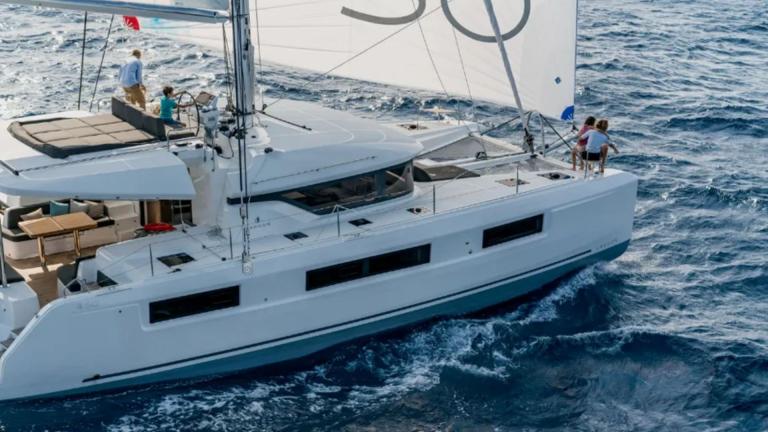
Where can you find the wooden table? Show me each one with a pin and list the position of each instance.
(56, 225)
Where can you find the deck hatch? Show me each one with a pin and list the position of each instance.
(370, 266)
(360, 222)
(176, 259)
(193, 304)
(512, 231)
(296, 236)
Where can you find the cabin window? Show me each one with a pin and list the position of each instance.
(323, 198)
(371, 266)
(398, 180)
(350, 192)
(193, 304)
(512, 231)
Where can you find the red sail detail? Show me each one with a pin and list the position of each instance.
(132, 22)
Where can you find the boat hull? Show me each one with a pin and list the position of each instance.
(105, 339)
(292, 348)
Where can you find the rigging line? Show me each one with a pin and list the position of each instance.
(431, 58)
(466, 77)
(354, 57)
(556, 132)
(82, 61)
(101, 64)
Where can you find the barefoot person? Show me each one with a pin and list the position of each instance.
(132, 81)
(598, 143)
(581, 145)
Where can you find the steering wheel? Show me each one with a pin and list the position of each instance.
(196, 119)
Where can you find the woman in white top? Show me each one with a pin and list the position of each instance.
(598, 143)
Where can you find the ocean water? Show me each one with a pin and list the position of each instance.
(673, 336)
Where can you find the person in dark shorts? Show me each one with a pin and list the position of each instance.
(598, 143)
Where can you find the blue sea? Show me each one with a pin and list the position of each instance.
(673, 336)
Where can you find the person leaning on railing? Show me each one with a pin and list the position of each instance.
(131, 80)
(598, 143)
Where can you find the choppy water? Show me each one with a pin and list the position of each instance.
(672, 336)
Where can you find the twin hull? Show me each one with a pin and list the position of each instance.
(104, 339)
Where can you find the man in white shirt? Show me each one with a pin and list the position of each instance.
(131, 80)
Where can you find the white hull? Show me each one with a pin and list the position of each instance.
(103, 339)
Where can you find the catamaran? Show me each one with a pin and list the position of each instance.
(264, 230)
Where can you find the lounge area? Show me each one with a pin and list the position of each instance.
(126, 126)
(112, 221)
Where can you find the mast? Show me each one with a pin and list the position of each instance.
(508, 69)
(245, 89)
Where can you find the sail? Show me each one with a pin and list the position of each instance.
(184, 10)
(442, 46)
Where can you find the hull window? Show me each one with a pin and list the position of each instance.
(513, 231)
(194, 304)
(371, 266)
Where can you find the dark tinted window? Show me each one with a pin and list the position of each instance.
(398, 180)
(350, 192)
(366, 267)
(512, 231)
(194, 304)
(323, 198)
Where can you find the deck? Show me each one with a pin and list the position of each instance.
(41, 279)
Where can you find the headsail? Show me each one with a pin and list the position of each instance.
(164, 9)
(443, 46)
(425, 43)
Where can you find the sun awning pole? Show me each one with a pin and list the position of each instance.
(508, 69)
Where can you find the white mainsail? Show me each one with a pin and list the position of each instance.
(443, 46)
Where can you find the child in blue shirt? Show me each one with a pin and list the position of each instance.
(167, 105)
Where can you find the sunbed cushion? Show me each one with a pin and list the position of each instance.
(101, 119)
(120, 126)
